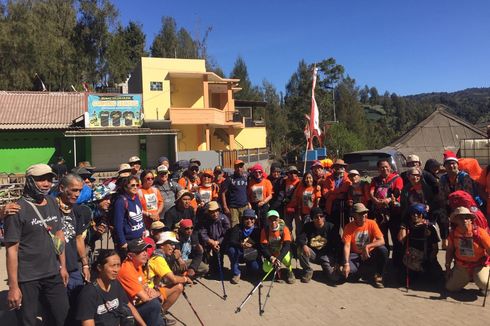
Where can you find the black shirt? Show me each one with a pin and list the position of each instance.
(423, 237)
(37, 258)
(74, 224)
(323, 241)
(174, 215)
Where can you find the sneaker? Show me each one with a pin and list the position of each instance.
(169, 321)
(443, 244)
(307, 277)
(378, 281)
(291, 279)
(235, 279)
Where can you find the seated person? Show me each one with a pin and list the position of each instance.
(147, 300)
(156, 228)
(275, 245)
(364, 246)
(421, 243)
(104, 301)
(160, 277)
(243, 245)
(469, 246)
(211, 234)
(319, 243)
(189, 252)
(182, 209)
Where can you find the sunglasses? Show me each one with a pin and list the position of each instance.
(150, 178)
(189, 228)
(248, 218)
(133, 185)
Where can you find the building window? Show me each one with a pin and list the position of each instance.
(156, 86)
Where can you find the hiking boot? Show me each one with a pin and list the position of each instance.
(307, 277)
(291, 279)
(378, 281)
(235, 279)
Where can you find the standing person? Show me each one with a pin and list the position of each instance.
(104, 302)
(243, 243)
(163, 160)
(278, 188)
(469, 247)
(150, 198)
(135, 164)
(306, 197)
(36, 265)
(190, 179)
(190, 252)
(219, 175)
(364, 245)
(207, 190)
(318, 172)
(100, 205)
(320, 243)
(127, 215)
(234, 194)
(290, 185)
(358, 191)
(168, 189)
(259, 193)
(415, 191)
(181, 210)
(60, 168)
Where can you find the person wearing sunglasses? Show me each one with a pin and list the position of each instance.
(150, 197)
(189, 253)
(259, 192)
(168, 188)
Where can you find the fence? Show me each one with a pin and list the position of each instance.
(246, 155)
(476, 148)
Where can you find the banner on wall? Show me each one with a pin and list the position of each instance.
(118, 110)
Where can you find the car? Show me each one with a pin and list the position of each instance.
(366, 161)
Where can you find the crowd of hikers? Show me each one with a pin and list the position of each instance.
(171, 227)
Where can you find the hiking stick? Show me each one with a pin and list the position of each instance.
(221, 274)
(261, 311)
(407, 252)
(193, 310)
(486, 290)
(208, 288)
(249, 295)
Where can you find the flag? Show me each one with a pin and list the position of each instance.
(85, 87)
(42, 84)
(314, 126)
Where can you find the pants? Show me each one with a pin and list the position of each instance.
(460, 276)
(393, 226)
(236, 255)
(74, 286)
(213, 261)
(235, 214)
(201, 269)
(51, 293)
(151, 312)
(286, 261)
(378, 260)
(326, 262)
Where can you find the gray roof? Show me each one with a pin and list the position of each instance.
(438, 132)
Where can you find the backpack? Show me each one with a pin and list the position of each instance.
(111, 208)
(383, 190)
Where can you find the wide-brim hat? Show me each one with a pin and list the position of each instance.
(182, 193)
(359, 208)
(459, 212)
(339, 162)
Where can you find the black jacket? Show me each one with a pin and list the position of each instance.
(333, 245)
(235, 237)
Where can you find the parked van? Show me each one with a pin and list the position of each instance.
(366, 161)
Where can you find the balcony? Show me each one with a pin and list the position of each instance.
(206, 116)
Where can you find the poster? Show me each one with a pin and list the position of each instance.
(113, 110)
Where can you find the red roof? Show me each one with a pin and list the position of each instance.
(40, 110)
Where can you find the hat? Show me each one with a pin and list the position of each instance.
(162, 169)
(124, 167)
(418, 209)
(257, 167)
(249, 213)
(185, 223)
(101, 192)
(81, 171)
(137, 245)
(316, 211)
(292, 168)
(182, 193)
(162, 159)
(38, 170)
(87, 165)
(360, 208)
(354, 172)
(218, 168)
(275, 167)
(339, 162)
(413, 158)
(212, 206)
(238, 162)
(451, 159)
(317, 164)
(167, 236)
(134, 159)
(272, 213)
(195, 161)
(157, 225)
(460, 211)
(449, 156)
(414, 170)
(208, 172)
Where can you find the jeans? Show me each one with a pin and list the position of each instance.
(378, 260)
(236, 255)
(151, 312)
(325, 261)
(51, 293)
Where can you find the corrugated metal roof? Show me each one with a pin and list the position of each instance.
(39, 110)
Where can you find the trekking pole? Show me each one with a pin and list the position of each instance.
(407, 252)
(221, 274)
(249, 295)
(269, 292)
(486, 290)
(193, 310)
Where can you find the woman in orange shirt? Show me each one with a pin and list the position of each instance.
(259, 192)
(292, 182)
(151, 199)
(207, 190)
(306, 197)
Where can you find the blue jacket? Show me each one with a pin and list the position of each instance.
(128, 219)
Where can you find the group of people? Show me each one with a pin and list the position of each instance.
(169, 229)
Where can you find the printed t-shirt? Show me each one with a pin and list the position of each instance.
(274, 239)
(150, 200)
(469, 248)
(207, 194)
(360, 236)
(290, 187)
(157, 269)
(306, 198)
(236, 190)
(259, 190)
(132, 279)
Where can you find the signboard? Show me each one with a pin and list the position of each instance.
(113, 111)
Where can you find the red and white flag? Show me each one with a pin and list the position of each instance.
(314, 114)
(85, 87)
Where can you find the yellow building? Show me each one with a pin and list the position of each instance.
(199, 105)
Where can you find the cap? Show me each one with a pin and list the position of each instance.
(212, 206)
(194, 164)
(81, 171)
(413, 158)
(182, 193)
(292, 168)
(218, 168)
(134, 159)
(354, 172)
(101, 192)
(316, 211)
(272, 213)
(137, 245)
(249, 213)
(317, 164)
(162, 159)
(418, 209)
(459, 212)
(38, 170)
(238, 162)
(339, 162)
(167, 236)
(195, 161)
(360, 208)
(208, 172)
(162, 169)
(185, 223)
(157, 225)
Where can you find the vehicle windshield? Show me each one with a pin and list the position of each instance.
(364, 162)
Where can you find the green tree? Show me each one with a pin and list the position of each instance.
(340, 140)
(248, 91)
(275, 119)
(136, 40)
(186, 46)
(165, 43)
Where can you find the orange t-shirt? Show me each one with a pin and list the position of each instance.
(467, 248)
(207, 194)
(151, 199)
(331, 193)
(258, 191)
(132, 279)
(291, 186)
(306, 198)
(360, 236)
(186, 183)
(274, 239)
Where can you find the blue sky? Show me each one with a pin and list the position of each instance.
(406, 47)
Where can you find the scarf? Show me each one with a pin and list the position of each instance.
(32, 193)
